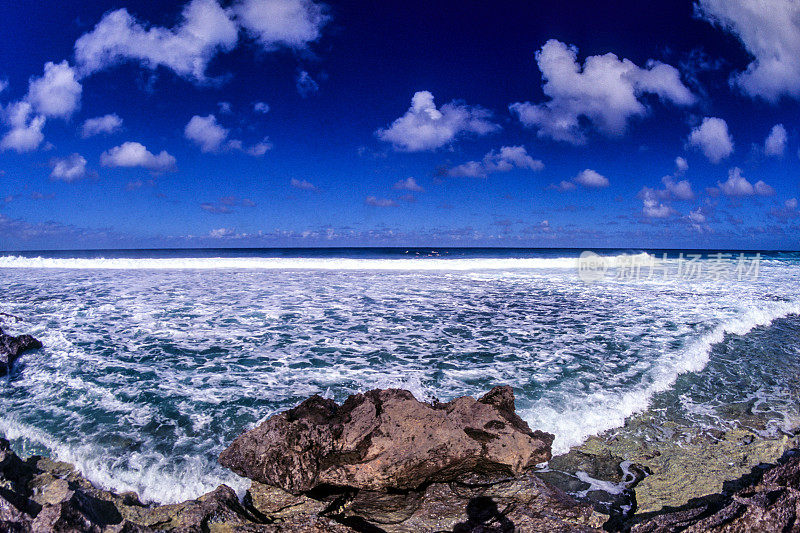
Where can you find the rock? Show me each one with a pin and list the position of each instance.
(386, 439)
(275, 504)
(12, 347)
(523, 504)
(769, 500)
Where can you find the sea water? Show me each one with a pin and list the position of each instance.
(154, 361)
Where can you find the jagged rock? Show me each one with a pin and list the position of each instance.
(522, 504)
(12, 347)
(275, 504)
(386, 439)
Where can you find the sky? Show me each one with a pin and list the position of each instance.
(263, 123)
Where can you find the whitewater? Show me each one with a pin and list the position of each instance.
(153, 363)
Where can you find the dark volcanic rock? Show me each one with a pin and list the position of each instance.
(12, 347)
(386, 439)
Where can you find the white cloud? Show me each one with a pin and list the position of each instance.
(305, 84)
(737, 186)
(3, 85)
(26, 130)
(380, 202)
(282, 23)
(302, 185)
(220, 233)
(57, 93)
(408, 184)
(696, 216)
(791, 203)
(606, 90)
(260, 148)
(770, 31)
(68, 169)
(261, 107)
(424, 127)
(592, 179)
(651, 207)
(678, 189)
(712, 138)
(504, 160)
(206, 133)
(775, 144)
(564, 186)
(105, 124)
(134, 154)
(209, 135)
(205, 29)
(681, 165)
(762, 189)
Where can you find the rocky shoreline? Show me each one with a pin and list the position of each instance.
(386, 462)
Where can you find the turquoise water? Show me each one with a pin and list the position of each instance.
(155, 361)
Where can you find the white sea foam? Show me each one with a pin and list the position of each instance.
(589, 415)
(282, 263)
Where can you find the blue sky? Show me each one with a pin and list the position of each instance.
(300, 123)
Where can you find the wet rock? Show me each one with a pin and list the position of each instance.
(386, 439)
(12, 347)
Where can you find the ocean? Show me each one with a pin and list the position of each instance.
(155, 360)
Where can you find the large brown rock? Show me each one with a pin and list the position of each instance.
(12, 347)
(386, 439)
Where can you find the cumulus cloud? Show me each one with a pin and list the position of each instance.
(408, 184)
(586, 178)
(134, 154)
(606, 91)
(205, 29)
(25, 132)
(380, 202)
(424, 127)
(305, 84)
(282, 23)
(712, 138)
(503, 160)
(260, 148)
(737, 186)
(106, 124)
(209, 135)
(592, 179)
(302, 185)
(696, 216)
(3, 85)
(57, 93)
(206, 133)
(261, 107)
(652, 208)
(775, 143)
(674, 189)
(68, 169)
(564, 186)
(681, 165)
(770, 31)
